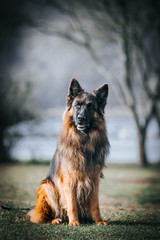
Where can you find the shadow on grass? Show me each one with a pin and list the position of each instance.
(133, 223)
(150, 195)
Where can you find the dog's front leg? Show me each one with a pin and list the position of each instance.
(94, 207)
(72, 211)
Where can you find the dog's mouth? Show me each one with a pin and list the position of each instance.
(81, 126)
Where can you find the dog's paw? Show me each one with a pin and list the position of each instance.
(56, 221)
(101, 222)
(74, 223)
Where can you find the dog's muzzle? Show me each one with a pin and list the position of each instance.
(81, 126)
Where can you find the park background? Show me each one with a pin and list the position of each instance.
(44, 44)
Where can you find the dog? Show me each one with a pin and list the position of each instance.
(70, 190)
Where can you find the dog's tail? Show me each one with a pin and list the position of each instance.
(20, 210)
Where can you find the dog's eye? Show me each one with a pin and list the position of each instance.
(77, 106)
(90, 106)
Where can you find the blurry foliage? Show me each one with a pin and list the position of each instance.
(13, 109)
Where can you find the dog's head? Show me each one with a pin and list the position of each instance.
(86, 105)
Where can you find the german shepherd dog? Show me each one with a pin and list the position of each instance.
(70, 190)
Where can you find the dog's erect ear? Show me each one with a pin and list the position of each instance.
(73, 91)
(102, 94)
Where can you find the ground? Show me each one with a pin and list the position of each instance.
(129, 201)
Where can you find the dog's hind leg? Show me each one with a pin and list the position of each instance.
(47, 204)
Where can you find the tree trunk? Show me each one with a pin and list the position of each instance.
(143, 161)
(141, 136)
(126, 46)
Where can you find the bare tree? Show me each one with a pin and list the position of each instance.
(137, 40)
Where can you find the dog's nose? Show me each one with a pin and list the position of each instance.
(81, 117)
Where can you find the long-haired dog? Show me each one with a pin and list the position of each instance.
(70, 190)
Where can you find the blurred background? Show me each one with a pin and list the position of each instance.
(45, 43)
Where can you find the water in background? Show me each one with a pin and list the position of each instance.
(39, 140)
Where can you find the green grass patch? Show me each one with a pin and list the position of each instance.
(129, 201)
(150, 195)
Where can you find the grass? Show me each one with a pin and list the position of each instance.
(129, 201)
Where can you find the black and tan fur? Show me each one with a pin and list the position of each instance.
(70, 190)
